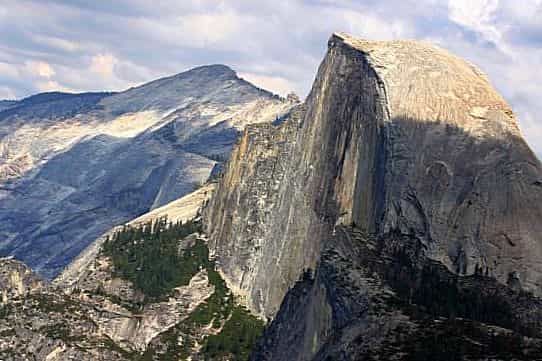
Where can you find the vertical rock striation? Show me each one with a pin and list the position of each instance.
(458, 174)
(252, 209)
(395, 137)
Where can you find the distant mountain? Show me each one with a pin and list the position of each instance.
(51, 105)
(6, 104)
(74, 165)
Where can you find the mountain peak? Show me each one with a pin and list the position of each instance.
(203, 72)
(417, 73)
(212, 69)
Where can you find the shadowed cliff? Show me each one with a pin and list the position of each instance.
(397, 136)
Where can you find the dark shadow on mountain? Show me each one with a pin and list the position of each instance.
(6, 104)
(80, 194)
(54, 105)
(378, 296)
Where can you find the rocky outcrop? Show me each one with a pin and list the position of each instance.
(395, 136)
(116, 302)
(250, 213)
(90, 313)
(17, 280)
(113, 307)
(458, 174)
(382, 299)
(40, 323)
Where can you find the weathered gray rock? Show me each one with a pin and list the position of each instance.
(130, 329)
(383, 299)
(395, 137)
(39, 323)
(458, 173)
(393, 216)
(250, 212)
(17, 280)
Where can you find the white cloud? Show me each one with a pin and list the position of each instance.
(103, 65)
(276, 84)
(51, 85)
(39, 68)
(58, 43)
(373, 27)
(209, 29)
(8, 70)
(6, 93)
(110, 73)
(277, 44)
(478, 16)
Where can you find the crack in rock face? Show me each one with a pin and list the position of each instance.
(397, 136)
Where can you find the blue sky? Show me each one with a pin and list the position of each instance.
(103, 45)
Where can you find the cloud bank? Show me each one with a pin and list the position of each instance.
(77, 45)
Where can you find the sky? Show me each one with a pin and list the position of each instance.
(81, 45)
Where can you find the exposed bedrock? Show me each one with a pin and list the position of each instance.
(394, 137)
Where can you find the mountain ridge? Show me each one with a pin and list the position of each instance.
(114, 156)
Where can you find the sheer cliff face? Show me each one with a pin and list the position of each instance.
(395, 137)
(285, 187)
(252, 211)
(458, 174)
(16, 280)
